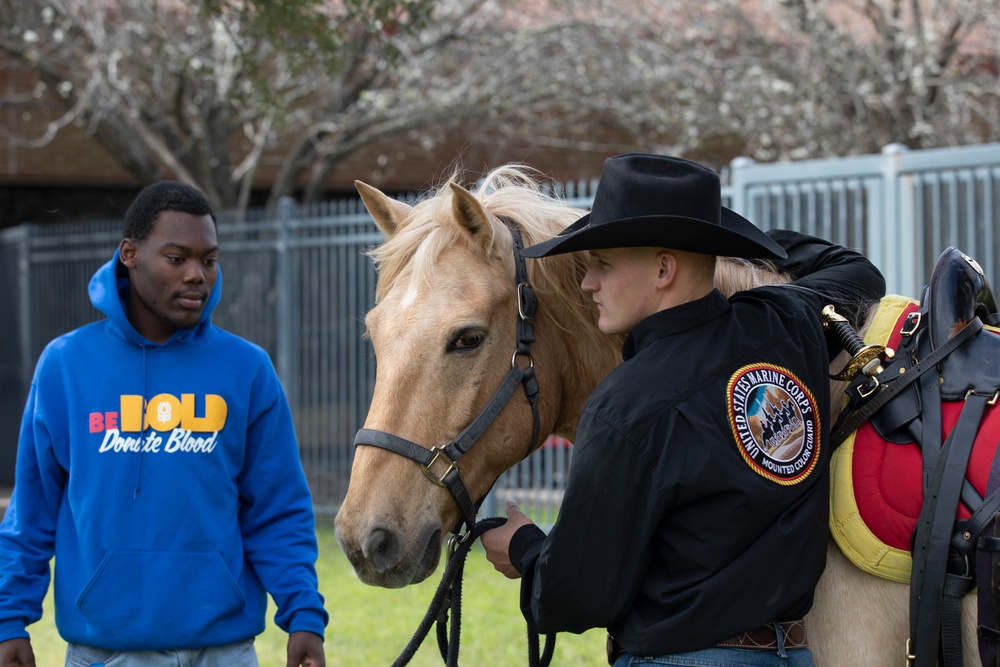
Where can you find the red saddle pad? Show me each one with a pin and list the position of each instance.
(876, 485)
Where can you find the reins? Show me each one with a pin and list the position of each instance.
(448, 597)
(449, 593)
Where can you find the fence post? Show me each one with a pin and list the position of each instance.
(738, 171)
(891, 244)
(24, 305)
(283, 306)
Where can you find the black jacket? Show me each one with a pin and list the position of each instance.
(697, 502)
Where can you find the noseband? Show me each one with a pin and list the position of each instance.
(440, 464)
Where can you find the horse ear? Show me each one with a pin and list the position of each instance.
(387, 212)
(470, 215)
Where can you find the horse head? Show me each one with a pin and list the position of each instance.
(444, 331)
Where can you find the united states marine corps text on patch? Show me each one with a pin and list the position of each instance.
(775, 422)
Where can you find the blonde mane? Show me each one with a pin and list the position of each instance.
(509, 192)
(734, 274)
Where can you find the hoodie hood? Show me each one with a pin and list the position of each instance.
(109, 290)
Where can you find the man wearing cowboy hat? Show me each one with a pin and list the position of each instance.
(694, 524)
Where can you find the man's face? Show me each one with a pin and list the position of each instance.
(171, 273)
(623, 283)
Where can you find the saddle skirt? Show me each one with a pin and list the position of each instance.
(875, 485)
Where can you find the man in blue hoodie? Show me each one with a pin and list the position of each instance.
(158, 463)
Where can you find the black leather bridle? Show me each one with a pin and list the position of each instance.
(433, 459)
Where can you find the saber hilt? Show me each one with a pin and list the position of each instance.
(866, 359)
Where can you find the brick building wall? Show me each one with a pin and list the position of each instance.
(73, 177)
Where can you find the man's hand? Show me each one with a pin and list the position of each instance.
(497, 541)
(16, 653)
(305, 649)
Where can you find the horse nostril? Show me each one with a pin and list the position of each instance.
(383, 549)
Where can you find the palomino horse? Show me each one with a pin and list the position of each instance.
(443, 331)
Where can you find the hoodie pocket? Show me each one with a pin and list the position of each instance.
(139, 594)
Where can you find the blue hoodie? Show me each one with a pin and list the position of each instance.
(169, 531)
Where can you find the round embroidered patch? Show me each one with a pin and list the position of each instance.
(775, 422)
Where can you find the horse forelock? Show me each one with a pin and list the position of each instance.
(412, 252)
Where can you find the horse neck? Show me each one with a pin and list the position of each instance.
(574, 363)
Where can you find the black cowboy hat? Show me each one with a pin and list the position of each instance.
(663, 202)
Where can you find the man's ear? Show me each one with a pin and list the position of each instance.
(667, 263)
(127, 251)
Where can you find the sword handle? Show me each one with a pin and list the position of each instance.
(865, 359)
(845, 333)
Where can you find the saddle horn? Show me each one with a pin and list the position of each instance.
(957, 292)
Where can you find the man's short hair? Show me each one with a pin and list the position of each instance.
(159, 197)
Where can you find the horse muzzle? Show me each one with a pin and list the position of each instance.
(383, 556)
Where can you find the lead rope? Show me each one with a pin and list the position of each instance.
(449, 597)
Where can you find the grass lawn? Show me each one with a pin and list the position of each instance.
(371, 626)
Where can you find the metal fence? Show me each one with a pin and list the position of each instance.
(298, 284)
(901, 207)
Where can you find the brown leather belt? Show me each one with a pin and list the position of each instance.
(764, 638)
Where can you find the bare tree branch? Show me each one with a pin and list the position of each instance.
(208, 91)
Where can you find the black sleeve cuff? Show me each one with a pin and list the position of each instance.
(524, 547)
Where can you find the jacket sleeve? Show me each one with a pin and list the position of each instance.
(838, 275)
(586, 572)
(276, 515)
(27, 533)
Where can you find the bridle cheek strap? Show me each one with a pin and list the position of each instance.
(440, 464)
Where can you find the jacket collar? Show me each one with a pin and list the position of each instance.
(673, 321)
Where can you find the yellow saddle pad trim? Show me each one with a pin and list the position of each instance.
(855, 540)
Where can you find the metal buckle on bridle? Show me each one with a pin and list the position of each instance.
(522, 309)
(452, 465)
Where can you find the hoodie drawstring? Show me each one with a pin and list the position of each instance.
(138, 465)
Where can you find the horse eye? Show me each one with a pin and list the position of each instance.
(466, 340)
